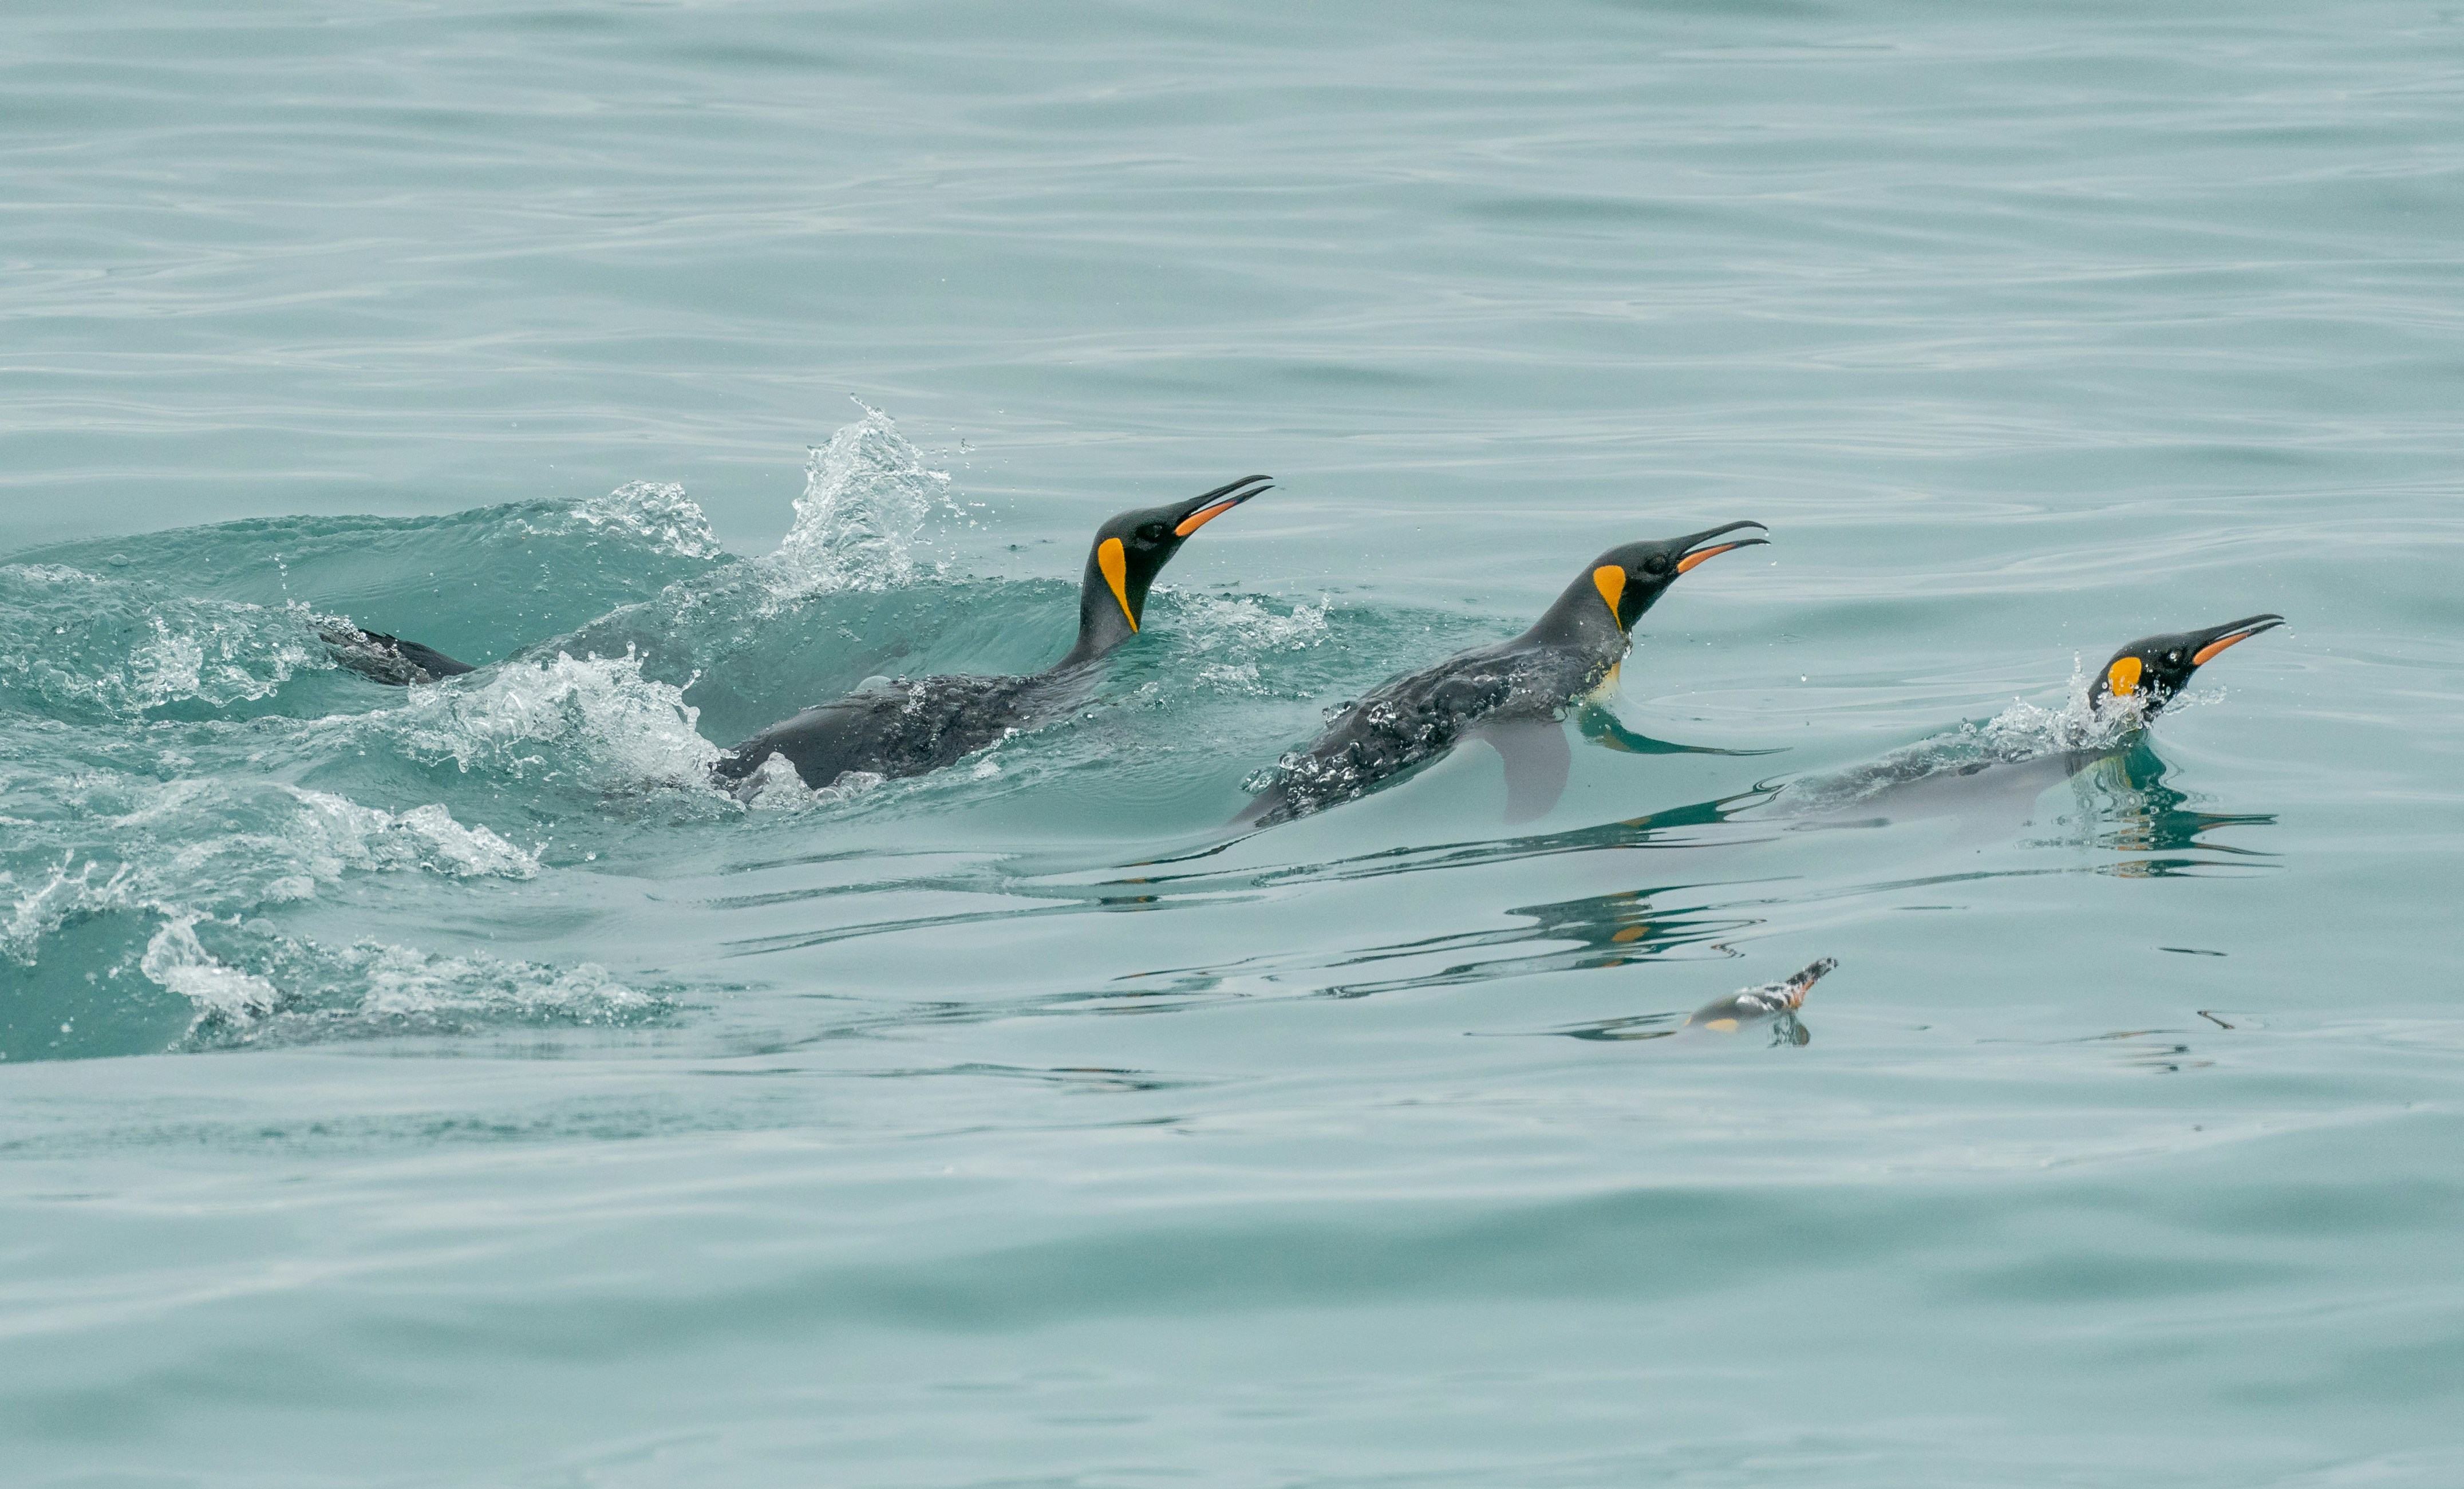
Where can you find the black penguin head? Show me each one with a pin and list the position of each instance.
(1131, 550)
(1629, 578)
(2155, 668)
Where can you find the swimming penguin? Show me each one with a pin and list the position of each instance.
(2153, 668)
(390, 659)
(908, 726)
(1510, 693)
(1754, 1005)
(1992, 797)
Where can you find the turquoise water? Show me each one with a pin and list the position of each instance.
(447, 1087)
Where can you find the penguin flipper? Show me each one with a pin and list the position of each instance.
(1537, 762)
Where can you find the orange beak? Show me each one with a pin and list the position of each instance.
(1700, 554)
(2234, 634)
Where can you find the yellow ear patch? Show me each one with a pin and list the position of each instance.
(1611, 580)
(1114, 562)
(2122, 678)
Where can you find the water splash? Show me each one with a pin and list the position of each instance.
(773, 786)
(596, 719)
(657, 512)
(2021, 732)
(868, 497)
(176, 961)
(866, 516)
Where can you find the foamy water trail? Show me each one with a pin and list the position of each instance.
(120, 645)
(255, 986)
(595, 719)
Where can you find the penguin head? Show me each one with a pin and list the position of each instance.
(2153, 668)
(1629, 578)
(1131, 549)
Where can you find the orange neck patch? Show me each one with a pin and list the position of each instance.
(1610, 579)
(2121, 679)
(1114, 562)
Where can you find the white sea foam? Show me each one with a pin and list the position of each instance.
(175, 959)
(658, 512)
(47, 574)
(123, 648)
(257, 985)
(221, 653)
(1227, 635)
(596, 719)
(773, 786)
(395, 980)
(335, 833)
(199, 848)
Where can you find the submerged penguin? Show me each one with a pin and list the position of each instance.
(1993, 796)
(1510, 693)
(1773, 1004)
(908, 726)
(390, 659)
(1756, 1005)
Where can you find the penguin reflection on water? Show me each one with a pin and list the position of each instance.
(909, 725)
(1511, 693)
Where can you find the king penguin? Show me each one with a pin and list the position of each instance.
(1511, 692)
(2154, 668)
(908, 726)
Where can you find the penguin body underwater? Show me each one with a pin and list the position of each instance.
(908, 726)
(1992, 796)
(1511, 693)
(390, 659)
(1772, 1000)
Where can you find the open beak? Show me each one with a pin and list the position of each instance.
(1217, 502)
(2215, 639)
(1695, 553)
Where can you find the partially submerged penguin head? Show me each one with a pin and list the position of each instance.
(2154, 668)
(1621, 584)
(1128, 554)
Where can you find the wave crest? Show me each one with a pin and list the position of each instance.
(658, 512)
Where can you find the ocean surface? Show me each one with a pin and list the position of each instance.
(447, 1086)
